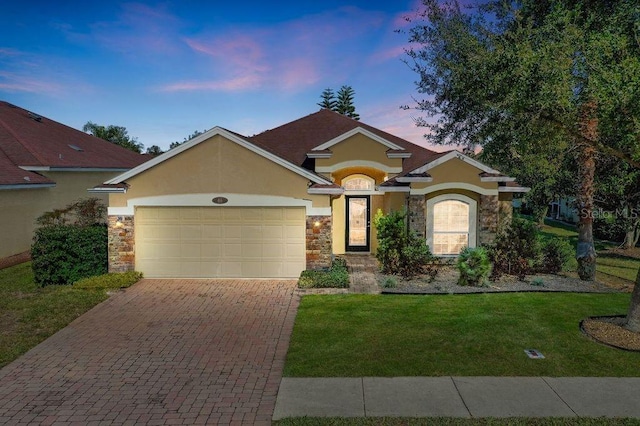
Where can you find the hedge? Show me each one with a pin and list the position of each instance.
(64, 254)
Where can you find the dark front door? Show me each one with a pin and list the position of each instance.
(357, 225)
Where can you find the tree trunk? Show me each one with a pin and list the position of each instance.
(631, 236)
(540, 214)
(633, 317)
(586, 252)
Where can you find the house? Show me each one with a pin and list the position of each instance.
(45, 165)
(274, 204)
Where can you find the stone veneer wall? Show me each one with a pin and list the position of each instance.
(417, 216)
(488, 212)
(121, 244)
(318, 242)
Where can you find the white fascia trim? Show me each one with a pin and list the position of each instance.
(454, 185)
(497, 179)
(107, 190)
(357, 192)
(73, 169)
(406, 179)
(205, 200)
(358, 163)
(319, 154)
(513, 189)
(27, 186)
(394, 189)
(321, 191)
(392, 154)
(353, 132)
(228, 135)
(450, 156)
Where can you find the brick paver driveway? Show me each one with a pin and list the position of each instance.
(161, 352)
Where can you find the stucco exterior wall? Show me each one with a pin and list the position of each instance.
(452, 172)
(361, 149)
(218, 166)
(21, 207)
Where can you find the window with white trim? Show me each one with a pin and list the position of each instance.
(451, 224)
(450, 227)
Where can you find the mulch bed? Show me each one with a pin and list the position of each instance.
(610, 331)
(16, 259)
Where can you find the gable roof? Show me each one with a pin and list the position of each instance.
(315, 131)
(232, 136)
(31, 143)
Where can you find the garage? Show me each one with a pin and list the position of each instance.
(220, 242)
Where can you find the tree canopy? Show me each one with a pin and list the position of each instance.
(342, 103)
(534, 76)
(187, 139)
(114, 134)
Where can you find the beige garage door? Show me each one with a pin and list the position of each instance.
(226, 242)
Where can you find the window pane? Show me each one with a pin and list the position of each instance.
(358, 184)
(449, 243)
(451, 216)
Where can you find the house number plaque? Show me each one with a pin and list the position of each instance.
(220, 200)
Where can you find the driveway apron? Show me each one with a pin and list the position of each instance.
(160, 352)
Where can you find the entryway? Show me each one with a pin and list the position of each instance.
(358, 227)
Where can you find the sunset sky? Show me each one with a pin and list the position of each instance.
(165, 69)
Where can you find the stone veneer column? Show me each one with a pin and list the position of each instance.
(417, 216)
(505, 215)
(121, 244)
(488, 218)
(318, 243)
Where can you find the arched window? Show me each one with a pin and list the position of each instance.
(451, 224)
(358, 183)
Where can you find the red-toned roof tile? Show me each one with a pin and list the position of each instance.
(10, 174)
(27, 139)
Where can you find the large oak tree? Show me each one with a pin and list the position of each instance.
(517, 71)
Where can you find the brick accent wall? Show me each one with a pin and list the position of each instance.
(318, 243)
(417, 215)
(488, 212)
(121, 244)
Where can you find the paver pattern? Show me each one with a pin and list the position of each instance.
(160, 352)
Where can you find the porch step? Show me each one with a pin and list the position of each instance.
(362, 272)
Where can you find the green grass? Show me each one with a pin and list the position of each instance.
(458, 335)
(448, 421)
(29, 313)
(607, 263)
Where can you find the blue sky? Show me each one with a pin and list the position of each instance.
(165, 69)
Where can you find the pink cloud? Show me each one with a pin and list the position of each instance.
(289, 56)
(12, 82)
(240, 83)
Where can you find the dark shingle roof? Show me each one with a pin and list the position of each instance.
(30, 140)
(292, 141)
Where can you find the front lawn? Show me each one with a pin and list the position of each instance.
(454, 335)
(30, 313)
(608, 264)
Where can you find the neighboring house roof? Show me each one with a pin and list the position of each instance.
(30, 143)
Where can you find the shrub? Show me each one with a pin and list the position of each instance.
(399, 251)
(63, 254)
(71, 243)
(337, 276)
(109, 281)
(515, 250)
(556, 252)
(390, 282)
(474, 266)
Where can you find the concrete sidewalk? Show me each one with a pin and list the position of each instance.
(459, 397)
